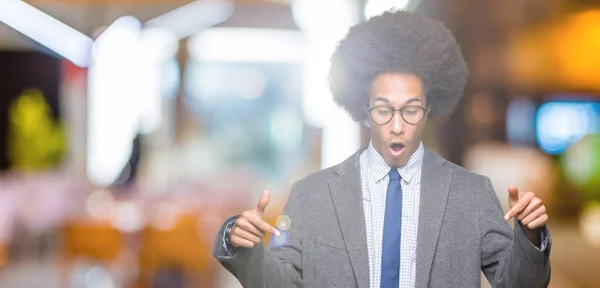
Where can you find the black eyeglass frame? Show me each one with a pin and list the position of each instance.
(401, 110)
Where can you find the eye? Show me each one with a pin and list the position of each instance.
(384, 111)
(411, 111)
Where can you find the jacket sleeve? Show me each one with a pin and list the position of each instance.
(508, 258)
(276, 266)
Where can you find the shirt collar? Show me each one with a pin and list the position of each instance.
(380, 169)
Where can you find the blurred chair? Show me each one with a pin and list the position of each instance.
(3, 256)
(177, 253)
(96, 241)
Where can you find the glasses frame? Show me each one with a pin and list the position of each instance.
(401, 110)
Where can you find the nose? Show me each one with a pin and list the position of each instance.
(397, 123)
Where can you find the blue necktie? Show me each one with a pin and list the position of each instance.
(392, 225)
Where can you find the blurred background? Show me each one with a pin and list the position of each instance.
(130, 130)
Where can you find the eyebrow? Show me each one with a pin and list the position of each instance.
(411, 100)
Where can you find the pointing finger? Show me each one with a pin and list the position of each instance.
(519, 206)
(263, 202)
(513, 195)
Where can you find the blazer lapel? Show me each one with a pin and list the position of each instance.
(347, 198)
(435, 184)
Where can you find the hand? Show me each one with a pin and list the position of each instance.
(529, 210)
(249, 229)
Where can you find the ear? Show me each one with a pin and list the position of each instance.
(365, 120)
(366, 123)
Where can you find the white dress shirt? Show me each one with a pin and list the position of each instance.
(374, 174)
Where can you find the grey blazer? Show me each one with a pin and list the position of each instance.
(461, 233)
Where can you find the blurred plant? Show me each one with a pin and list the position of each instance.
(35, 140)
(589, 223)
(581, 166)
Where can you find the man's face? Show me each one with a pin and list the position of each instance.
(396, 140)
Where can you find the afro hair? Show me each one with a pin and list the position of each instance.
(398, 42)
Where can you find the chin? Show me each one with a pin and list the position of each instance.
(396, 162)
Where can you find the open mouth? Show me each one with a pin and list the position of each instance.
(396, 149)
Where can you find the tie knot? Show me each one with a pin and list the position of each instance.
(394, 175)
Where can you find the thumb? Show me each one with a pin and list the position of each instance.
(263, 202)
(513, 195)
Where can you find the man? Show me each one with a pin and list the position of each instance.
(394, 214)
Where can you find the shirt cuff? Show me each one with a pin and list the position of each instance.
(544, 239)
(229, 250)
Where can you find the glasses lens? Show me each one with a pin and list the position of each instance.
(381, 114)
(413, 114)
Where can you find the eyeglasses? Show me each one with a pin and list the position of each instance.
(384, 114)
